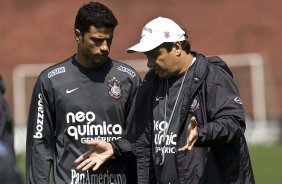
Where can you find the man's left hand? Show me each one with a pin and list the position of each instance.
(100, 152)
(192, 132)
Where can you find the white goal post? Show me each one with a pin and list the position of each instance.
(253, 60)
(256, 64)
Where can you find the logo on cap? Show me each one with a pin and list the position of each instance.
(147, 29)
(166, 34)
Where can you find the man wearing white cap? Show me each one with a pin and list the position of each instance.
(189, 118)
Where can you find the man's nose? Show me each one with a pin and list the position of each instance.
(105, 46)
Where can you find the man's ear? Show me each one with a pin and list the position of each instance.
(77, 35)
(177, 48)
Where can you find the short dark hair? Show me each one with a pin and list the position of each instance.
(94, 14)
(184, 44)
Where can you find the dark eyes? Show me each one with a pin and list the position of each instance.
(153, 55)
(99, 41)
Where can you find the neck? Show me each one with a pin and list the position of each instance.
(81, 60)
(187, 61)
(87, 62)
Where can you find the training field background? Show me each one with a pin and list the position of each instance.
(246, 33)
(266, 161)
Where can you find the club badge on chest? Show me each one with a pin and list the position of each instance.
(115, 88)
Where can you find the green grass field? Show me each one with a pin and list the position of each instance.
(266, 161)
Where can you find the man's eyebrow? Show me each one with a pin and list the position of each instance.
(152, 52)
(100, 38)
(97, 39)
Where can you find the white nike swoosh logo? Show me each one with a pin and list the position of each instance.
(72, 90)
(159, 98)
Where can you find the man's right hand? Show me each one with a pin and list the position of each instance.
(100, 152)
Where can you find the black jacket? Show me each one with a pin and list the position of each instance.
(6, 124)
(8, 172)
(220, 155)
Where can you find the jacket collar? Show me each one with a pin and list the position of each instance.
(199, 71)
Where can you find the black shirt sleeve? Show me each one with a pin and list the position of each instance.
(126, 145)
(226, 117)
(39, 149)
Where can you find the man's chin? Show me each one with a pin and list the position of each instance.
(97, 63)
(100, 59)
(161, 75)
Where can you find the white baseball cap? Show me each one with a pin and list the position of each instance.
(156, 32)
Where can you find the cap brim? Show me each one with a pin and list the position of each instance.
(143, 47)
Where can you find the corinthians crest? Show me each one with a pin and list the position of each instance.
(195, 105)
(115, 91)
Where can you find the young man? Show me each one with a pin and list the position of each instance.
(193, 116)
(86, 97)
